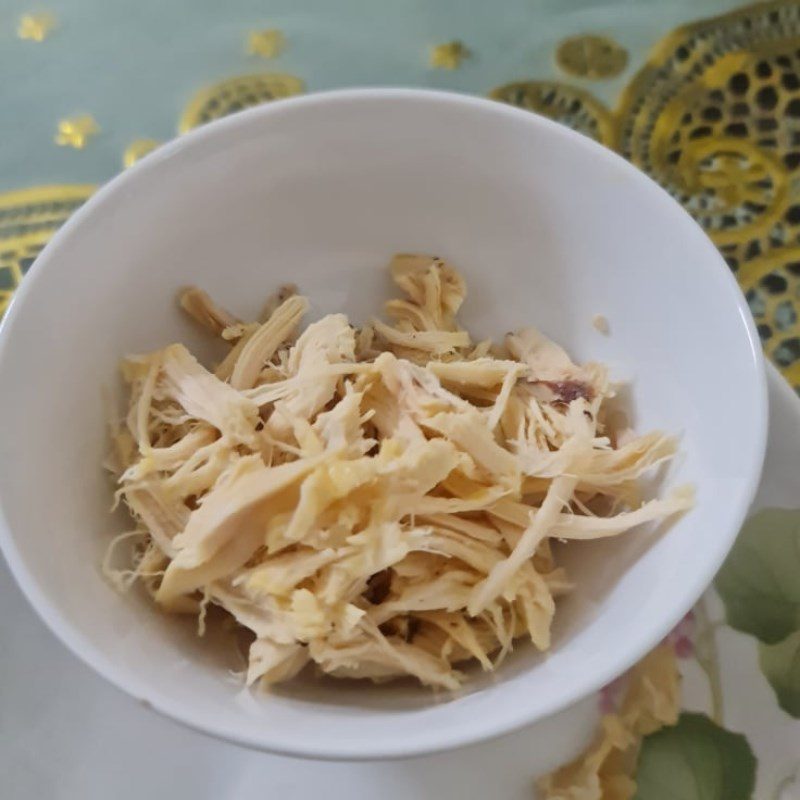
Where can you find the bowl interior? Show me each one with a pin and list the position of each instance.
(548, 228)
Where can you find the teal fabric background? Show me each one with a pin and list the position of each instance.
(134, 65)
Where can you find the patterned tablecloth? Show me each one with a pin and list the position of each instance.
(704, 96)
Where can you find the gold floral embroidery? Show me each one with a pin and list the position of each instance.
(714, 117)
(28, 218)
(592, 57)
(563, 103)
(137, 149)
(237, 93)
(771, 285)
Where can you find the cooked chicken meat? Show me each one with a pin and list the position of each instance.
(380, 502)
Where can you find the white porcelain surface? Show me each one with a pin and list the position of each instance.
(549, 229)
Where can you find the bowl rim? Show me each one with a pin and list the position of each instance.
(513, 716)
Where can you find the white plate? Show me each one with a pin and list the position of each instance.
(66, 733)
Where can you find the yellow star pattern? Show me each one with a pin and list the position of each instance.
(448, 55)
(36, 27)
(267, 44)
(76, 131)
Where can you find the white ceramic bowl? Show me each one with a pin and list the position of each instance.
(549, 229)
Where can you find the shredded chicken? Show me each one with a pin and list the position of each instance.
(378, 502)
(606, 769)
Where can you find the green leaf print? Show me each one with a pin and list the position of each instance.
(781, 664)
(695, 760)
(759, 580)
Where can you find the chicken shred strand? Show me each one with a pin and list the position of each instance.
(379, 503)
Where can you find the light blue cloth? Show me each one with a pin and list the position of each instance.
(134, 64)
